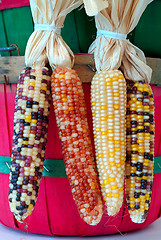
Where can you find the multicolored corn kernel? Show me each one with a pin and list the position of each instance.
(71, 116)
(29, 140)
(108, 102)
(140, 150)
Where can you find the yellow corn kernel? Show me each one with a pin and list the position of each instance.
(100, 155)
(132, 205)
(32, 84)
(134, 99)
(106, 181)
(115, 79)
(132, 199)
(61, 76)
(44, 88)
(98, 129)
(116, 94)
(108, 83)
(110, 138)
(33, 121)
(111, 154)
(93, 104)
(117, 149)
(27, 118)
(111, 179)
(111, 164)
(118, 165)
(132, 185)
(108, 79)
(115, 195)
(103, 118)
(104, 133)
(64, 99)
(109, 195)
(120, 76)
(116, 106)
(113, 187)
(103, 107)
(30, 206)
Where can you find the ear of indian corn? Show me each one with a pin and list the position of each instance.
(108, 101)
(29, 140)
(140, 150)
(71, 116)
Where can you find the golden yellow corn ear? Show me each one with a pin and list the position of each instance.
(71, 116)
(108, 101)
(29, 140)
(140, 150)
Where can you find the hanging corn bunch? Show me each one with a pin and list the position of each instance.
(30, 126)
(108, 92)
(71, 117)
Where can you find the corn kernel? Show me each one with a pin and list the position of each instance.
(116, 106)
(43, 88)
(100, 155)
(104, 133)
(103, 118)
(109, 195)
(103, 107)
(98, 129)
(115, 195)
(116, 94)
(108, 83)
(111, 154)
(111, 164)
(111, 179)
(113, 187)
(93, 104)
(61, 76)
(106, 181)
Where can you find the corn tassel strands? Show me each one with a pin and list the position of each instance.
(108, 101)
(29, 140)
(71, 116)
(140, 150)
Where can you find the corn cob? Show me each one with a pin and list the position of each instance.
(140, 150)
(29, 140)
(108, 101)
(71, 116)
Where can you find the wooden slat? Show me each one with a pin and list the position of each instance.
(155, 64)
(12, 66)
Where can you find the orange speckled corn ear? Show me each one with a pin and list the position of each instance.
(140, 150)
(71, 116)
(29, 140)
(108, 101)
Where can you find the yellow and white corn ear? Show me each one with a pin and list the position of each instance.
(108, 101)
(71, 116)
(29, 140)
(140, 150)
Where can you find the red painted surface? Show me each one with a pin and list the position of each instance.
(5, 4)
(55, 212)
